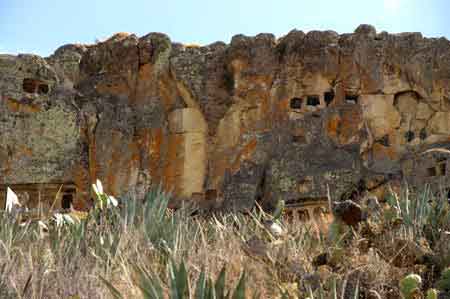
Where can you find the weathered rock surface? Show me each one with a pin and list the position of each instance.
(258, 119)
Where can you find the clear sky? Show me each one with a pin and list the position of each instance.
(41, 26)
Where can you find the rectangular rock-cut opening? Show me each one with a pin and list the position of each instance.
(296, 103)
(431, 171)
(351, 99)
(36, 194)
(409, 136)
(66, 201)
(328, 96)
(313, 100)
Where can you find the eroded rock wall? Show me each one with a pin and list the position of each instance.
(257, 119)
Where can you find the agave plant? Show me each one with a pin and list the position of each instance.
(346, 291)
(179, 287)
(422, 214)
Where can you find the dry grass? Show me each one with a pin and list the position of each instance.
(68, 260)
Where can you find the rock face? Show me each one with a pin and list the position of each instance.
(258, 119)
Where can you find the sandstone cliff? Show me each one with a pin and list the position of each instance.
(258, 119)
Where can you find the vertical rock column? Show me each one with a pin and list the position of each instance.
(186, 165)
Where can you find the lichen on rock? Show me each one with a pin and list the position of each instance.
(258, 119)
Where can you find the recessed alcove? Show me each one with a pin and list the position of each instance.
(409, 136)
(296, 103)
(29, 85)
(313, 100)
(328, 97)
(66, 201)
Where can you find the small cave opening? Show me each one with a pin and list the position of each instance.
(409, 136)
(313, 100)
(66, 201)
(30, 85)
(43, 88)
(296, 103)
(328, 97)
(351, 99)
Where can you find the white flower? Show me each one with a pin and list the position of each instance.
(59, 219)
(113, 201)
(62, 219)
(273, 227)
(102, 197)
(25, 223)
(68, 219)
(11, 200)
(98, 187)
(42, 225)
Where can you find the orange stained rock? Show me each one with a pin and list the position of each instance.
(155, 149)
(174, 165)
(26, 151)
(83, 185)
(145, 83)
(351, 124)
(344, 127)
(332, 126)
(168, 91)
(381, 152)
(283, 105)
(16, 106)
(149, 143)
(244, 154)
(96, 169)
(92, 157)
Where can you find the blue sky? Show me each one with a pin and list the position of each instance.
(41, 26)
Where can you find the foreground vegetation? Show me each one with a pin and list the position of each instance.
(141, 249)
